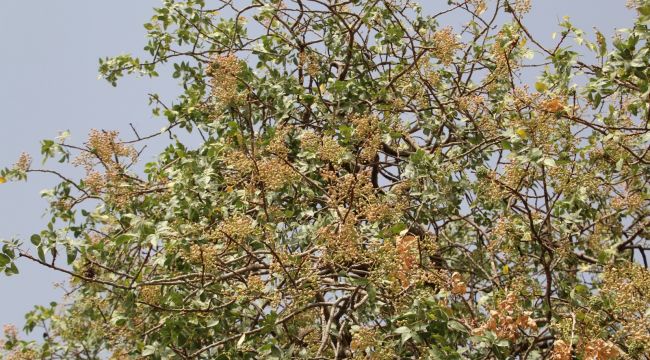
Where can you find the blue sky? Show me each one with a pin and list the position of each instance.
(48, 83)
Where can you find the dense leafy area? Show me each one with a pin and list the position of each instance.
(371, 183)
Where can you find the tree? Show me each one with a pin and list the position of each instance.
(370, 184)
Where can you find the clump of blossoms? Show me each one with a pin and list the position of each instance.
(105, 160)
(368, 134)
(522, 6)
(223, 72)
(445, 45)
(326, 147)
(24, 162)
(276, 173)
(10, 332)
(105, 149)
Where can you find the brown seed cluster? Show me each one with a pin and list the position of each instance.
(458, 285)
(600, 349)
(561, 350)
(506, 320)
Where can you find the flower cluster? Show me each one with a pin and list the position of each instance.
(224, 71)
(309, 62)
(150, 294)
(521, 6)
(342, 243)
(105, 150)
(10, 332)
(94, 181)
(326, 147)
(445, 45)
(276, 173)
(240, 162)
(237, 227)
(367, 134)
(367, 344)
(23, 163)
(203, 255)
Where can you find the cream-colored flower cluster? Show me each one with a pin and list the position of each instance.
(445, 45)
(224, 71)
(342, 243)
(367, 134)
(327, 148)
(150, 294)
(521, 6)
(309, 62)
(204, 256)
(237, 227)
(276, 173)
(106, 151)
(23, 163)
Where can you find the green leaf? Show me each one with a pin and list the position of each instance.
(457, 326)
(405, 333)
(35, 239)
(4, 260)
(149, 350)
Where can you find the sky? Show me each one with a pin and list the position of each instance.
(48, 83)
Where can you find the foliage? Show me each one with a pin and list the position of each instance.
(371, 184)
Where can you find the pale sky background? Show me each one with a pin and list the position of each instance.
(48, 83)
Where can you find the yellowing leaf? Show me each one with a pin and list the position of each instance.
(522, 133)
(2, 180)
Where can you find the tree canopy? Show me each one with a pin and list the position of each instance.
(371, 183)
